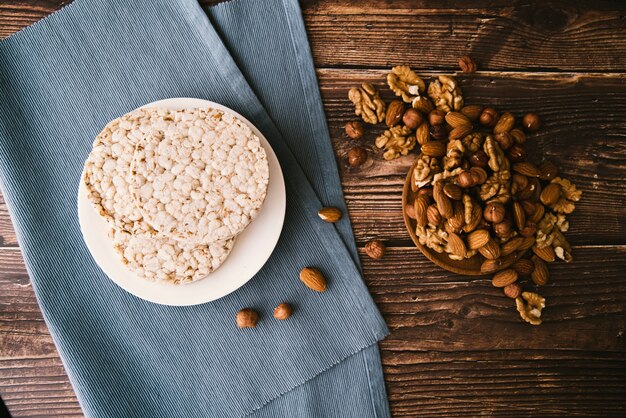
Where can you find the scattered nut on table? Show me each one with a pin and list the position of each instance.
(283, 311)
(375, 249)
(247, 318)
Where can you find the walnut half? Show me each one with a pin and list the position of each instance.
(396, 141)
(367, 103)
(529, 307)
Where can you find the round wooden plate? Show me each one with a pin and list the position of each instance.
(469, 266)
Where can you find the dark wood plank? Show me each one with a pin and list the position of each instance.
(7, 233)
(16, 14)
(457, 344)
(584, 134)
(500, 35)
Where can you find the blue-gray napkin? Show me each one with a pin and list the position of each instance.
(61, 81)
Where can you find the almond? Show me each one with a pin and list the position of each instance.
(453, 191)
(329, 214)
(550, 194)
(457, 220)
(504, 278)
(472, 112)
(433, 215)
(524, 267)
(477, 239)
(540, 210)
(456, 245)
(491, 250)
(410, 210)
(490, 266)
(460, 132)
(434, 149)
(455, 119)
(423, 104)
(540, 274)
(505, 123)
(395, 111)
(444, 204)
(519, 216)
(313, 279)
(526, 168)
(545, 253)
(527, 242)
(513, 290)
(512, 245)
(422, 134)
(529, 207)
(420, 206)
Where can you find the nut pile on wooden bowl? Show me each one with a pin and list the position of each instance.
(473, 203)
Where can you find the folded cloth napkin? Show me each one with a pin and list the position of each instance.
(62, 80)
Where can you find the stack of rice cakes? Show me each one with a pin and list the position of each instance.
(176, 187)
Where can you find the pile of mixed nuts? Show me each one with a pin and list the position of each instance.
(476, 194)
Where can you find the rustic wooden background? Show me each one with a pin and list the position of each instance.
(457, 346)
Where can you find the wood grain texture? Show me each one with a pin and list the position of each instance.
(437, 358)
(457, 346)
(500, 35)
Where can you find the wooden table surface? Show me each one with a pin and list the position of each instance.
(457, 345)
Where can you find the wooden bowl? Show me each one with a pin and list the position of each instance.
(468, 266)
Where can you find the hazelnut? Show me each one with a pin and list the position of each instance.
(247, 318)
(531, 122)
(494, 212)
(489, 117)
(375, 249)
(513, 290)
(395, 112)
(283, 311)
(354, 129)
(479, 159)
(436, 117)
(465, 179)
(504, 139)
(438, 132)
(548, 171)
(467, 64)
(412, 118)
(503, 229)
(519, 181)
(519, 137)
(517, 153)
(356, 156)
(425, 191)
(479, 175)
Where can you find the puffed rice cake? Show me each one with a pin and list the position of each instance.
(153, 255)
(200, 175)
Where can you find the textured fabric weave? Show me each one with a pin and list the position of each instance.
(61, 80)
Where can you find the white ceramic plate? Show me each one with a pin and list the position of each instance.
(252, 247)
